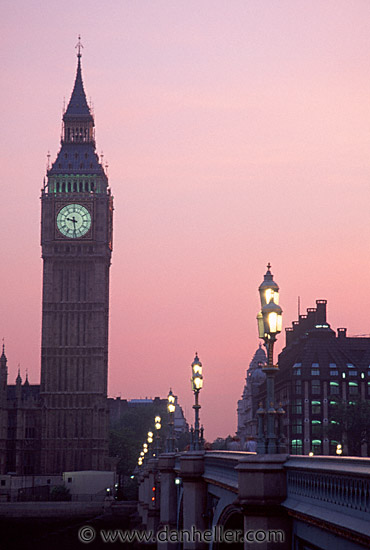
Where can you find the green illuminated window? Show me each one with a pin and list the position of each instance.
(334, 388)
(297, 447)
(316, 427)
(316, 407)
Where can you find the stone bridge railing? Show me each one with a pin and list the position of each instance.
(316, 502)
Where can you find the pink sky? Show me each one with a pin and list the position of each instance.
(237, 133)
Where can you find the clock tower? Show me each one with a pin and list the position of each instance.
(76, 240)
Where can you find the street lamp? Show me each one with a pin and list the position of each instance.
(196, 386)
(171, 407)
(157, 425)
(269, 321)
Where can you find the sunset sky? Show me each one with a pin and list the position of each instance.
(237, 133)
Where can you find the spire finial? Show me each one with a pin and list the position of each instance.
(3, 345)
(79, 46)
(268, 266)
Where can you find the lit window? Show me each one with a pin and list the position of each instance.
(316, 446)
(297, 446)
(316, 427)
(352, 372)
(334, 373)
(316, 407)
(350, 366)
(352, 388)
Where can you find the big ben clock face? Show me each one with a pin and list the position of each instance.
(73, 221)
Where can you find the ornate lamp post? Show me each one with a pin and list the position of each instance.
(171, 407)
(196, 386)
(269, 321)
(157, 425)
(150, 439)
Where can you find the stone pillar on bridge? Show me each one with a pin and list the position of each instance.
(153, 495)
(168, 496)
(195, 496)
(145, 505)
(140, 480)
(261, 490)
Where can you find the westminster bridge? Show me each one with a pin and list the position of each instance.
(274, 501)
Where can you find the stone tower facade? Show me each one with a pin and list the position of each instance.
(76, 240)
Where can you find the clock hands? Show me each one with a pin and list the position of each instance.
(73, 220)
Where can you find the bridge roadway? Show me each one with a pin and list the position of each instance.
(277, 501)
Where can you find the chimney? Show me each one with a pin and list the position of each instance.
(342, 333)
(311, 317)
(288, 336)
(321, 312)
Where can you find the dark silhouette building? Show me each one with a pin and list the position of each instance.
(319, 369)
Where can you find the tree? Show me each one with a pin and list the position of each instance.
(350, 425)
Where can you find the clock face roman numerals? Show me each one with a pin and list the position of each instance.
(74, 221)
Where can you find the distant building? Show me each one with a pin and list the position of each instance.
(317, 369)
(248, 404)
(118, 407)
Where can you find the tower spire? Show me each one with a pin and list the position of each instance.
(78, 107)
(79, 46)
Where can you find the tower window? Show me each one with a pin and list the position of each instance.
(334, 388)
(316, 407)
(353, 388)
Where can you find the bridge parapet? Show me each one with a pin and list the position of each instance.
(318, 502)
(219, 468)
(331, 492)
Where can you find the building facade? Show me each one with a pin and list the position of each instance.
(321, 372)
(248, 404)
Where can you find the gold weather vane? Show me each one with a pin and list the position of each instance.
(79, 46)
